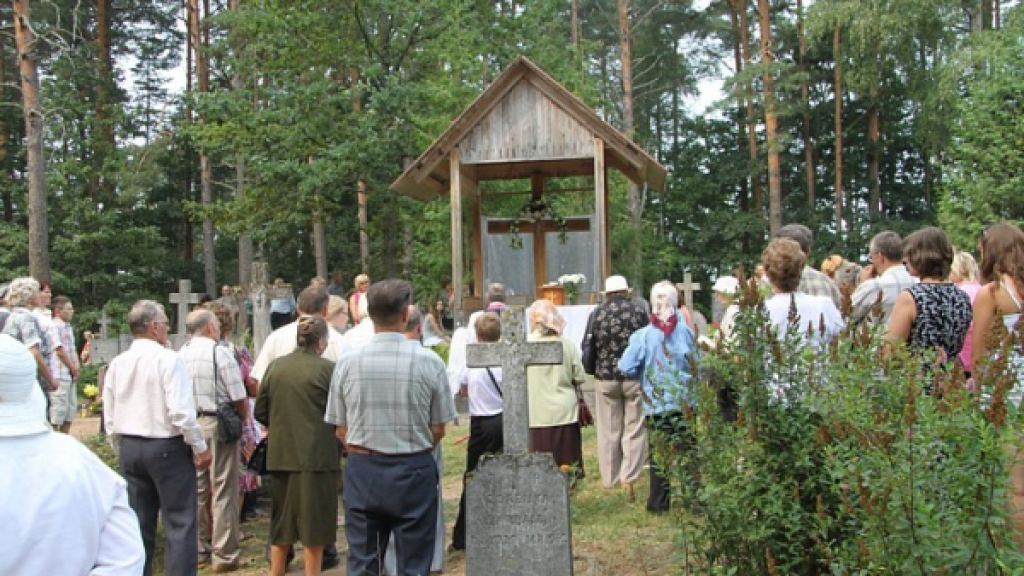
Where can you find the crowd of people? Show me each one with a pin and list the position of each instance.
(347, 398)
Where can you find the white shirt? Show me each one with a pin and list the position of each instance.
(457, 357)
(283, 341)
(484, 399)
(810, 310)
(356, 338)
(71, 516)
(148, 392)
(890, 284)
(198, 356)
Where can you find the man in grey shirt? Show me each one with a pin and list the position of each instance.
(881, 281)
(390, 402)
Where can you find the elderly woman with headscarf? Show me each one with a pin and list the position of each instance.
(554, 392)
(661, 355)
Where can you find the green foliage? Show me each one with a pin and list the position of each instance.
(838, 463)
(986, 173)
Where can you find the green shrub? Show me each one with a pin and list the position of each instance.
(839, 463)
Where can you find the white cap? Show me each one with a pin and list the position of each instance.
(616, 284)
(726, 285)
(22, 404)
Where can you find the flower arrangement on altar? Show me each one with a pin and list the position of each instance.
(534, 211)
(571, 284)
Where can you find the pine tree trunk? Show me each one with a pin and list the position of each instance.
(751, 119)
(806, 105)
(771, 123)
(574, 19)
(636, 208)
(741, 129)
(836, 45)
(38, 222)
(199, 48)
(874, 153)
(5, 191)
(364, 238)
(102, 189)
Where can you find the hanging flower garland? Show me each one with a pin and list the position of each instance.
(536, 210)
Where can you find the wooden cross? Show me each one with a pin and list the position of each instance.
(688, 287)
(104, 323)
(183, 298)
(513, 353)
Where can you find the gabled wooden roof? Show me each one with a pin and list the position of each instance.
(428, 176)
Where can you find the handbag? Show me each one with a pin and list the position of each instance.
(229, 421)
(583, 415)
(258, 461)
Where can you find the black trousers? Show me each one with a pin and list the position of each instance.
(668, 430)
(161, 479)
(389, 496)
(485, 437)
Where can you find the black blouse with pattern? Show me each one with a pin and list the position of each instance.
(943, 317)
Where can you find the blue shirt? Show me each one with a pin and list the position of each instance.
(663, 366)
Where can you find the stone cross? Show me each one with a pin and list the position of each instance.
(688, 287)
(104, 323)
(513, 354)
(183, 298)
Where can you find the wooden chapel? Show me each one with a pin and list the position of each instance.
(524, 125)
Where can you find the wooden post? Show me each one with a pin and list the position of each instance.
(602, 254)
(540, 265)
(472, 187)
(455, 197)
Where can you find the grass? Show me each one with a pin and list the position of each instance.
(610, 534)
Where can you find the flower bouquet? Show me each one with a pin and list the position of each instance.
(571, 284)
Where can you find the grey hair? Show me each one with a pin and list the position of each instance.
(198, 320)
(888, 244)
(415, 319)
(496, 292)
(22, 291)
(798, 232)
(142, 314)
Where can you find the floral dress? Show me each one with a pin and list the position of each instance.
(943, 316)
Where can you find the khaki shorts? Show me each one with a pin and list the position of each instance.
(63, 403)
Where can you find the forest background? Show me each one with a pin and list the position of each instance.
(851, 116)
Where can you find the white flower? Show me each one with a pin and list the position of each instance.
(572, 279)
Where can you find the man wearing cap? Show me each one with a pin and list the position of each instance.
(150, 418)
(621, 435)
(67, 512)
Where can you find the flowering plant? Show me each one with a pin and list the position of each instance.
(571, 283)
(90, 391)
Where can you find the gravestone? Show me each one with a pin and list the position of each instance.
(517, 503)
(688, 287)
(183, 298)
(105, 347)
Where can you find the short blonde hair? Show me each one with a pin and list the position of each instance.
(361, 278)
(336, 306)
(965, 266)
(22, 291)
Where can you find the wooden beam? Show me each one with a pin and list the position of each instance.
(571, 225)
(456, 224)
(525, 192)
(549, 168)
(602, 252)
(540, 268)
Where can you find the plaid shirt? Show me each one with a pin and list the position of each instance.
(815, 283)
(894, 280)
(61, 331)
(389, 394)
